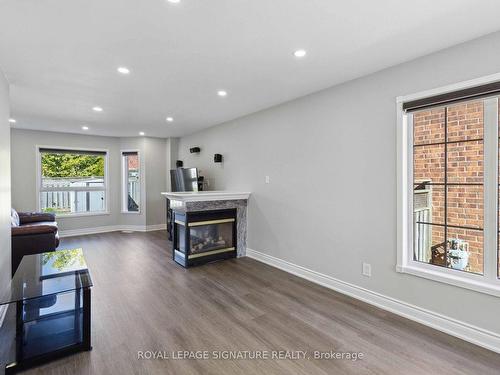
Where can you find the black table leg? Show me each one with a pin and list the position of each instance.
(87, 342)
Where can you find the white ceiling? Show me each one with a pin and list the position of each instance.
(61, 56)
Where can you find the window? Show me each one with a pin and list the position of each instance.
(449, 186)
(131, 181)
(72, 182)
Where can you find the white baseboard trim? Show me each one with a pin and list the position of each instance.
(111, 228)
(152, 228)
(478, 336)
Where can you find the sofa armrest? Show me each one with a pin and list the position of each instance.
(34, 217)
(33, 230)
(25, 243)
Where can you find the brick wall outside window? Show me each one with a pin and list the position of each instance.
(465, 203)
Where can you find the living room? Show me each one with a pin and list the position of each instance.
(278, 187)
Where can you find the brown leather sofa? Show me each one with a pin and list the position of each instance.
(32, 233)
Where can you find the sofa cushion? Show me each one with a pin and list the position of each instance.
(14, 218)
(30, 230)
(41, 223)
(35, 217)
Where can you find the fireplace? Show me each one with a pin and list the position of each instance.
(204, 236)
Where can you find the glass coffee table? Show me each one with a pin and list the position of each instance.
(49, 303)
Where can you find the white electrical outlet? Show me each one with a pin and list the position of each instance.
(268, 179)
(367, 269)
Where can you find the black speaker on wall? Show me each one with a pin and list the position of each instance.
(179, 163)
(217, 158)
(194, 150)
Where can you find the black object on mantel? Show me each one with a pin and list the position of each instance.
(217, 158)
(179, 164)
(201, 180)
(195, 150)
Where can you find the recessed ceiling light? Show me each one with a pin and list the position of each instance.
(85, 128)
(141, 133)
(12, 121)
(97, 109)
(300, 53)
(174, 1)
(222, 93)
(170, 119)
(123, 70)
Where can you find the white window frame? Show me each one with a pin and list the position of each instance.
(39, 188)
(124, 184)
(488, 283)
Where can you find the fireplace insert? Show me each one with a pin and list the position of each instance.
(204, 236)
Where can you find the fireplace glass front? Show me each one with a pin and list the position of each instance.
(204, 236)
(211, 237)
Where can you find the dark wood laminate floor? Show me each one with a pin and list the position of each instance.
(143, 301)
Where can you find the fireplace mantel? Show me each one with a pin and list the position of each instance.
(204, 196)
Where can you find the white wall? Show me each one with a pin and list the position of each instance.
(153, 163)
(331, 158)
(5, 254)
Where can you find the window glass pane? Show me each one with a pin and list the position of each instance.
(132, 181)
(68, 170)
(429, 244)
(428, 164)
(67, 175)
(68, 202)
(465, 250)
(448, 186)
(466, 206)
(428, 126)
(428, 204)
(465, 162)
(465, 121)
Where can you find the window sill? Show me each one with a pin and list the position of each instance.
(131, 212)
(82, 214)
(451, 278)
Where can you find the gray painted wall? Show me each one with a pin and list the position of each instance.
(172, 153)
(156, 179)
(5, 269)
(153, 162)
(331, 158)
